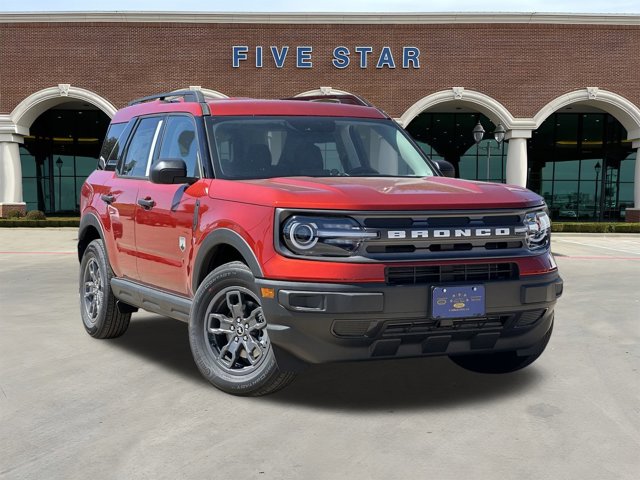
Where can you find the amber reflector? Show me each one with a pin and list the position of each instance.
(268, 292)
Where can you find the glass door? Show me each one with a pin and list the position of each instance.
(609, 196)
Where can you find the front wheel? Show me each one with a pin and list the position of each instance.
(502, 362)
(228, 334)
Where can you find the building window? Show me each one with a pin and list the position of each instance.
(58, 155)
(582, 164)
(449, 136)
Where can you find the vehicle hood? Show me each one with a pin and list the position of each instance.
(374, 193)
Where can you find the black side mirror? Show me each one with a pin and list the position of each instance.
(170, 171)
(446, 168)
(101, 163)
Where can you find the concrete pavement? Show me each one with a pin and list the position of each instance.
(72, 407)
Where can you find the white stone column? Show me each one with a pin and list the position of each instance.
(633, 214)
(517, 164)
(636, 180)
(10, 174)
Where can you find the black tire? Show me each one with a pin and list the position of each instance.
(235, 356)
(502, 362)
(100, 315)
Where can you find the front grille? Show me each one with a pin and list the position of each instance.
(395, 329)
(442, 234)
(416, 330)
(431, 274)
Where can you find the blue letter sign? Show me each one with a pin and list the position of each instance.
(279, 57)
(239, 53)
(341, 56)
(386, 58)
(410, 55)
(303, 57)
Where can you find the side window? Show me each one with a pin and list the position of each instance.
(137, 159)
(111, 140)
(180, 142)
(117, 141)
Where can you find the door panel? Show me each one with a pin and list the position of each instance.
(164, 234)
(123, 203)
(165, 214)
(121, 213)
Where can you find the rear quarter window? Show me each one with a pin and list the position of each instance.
(115, 138)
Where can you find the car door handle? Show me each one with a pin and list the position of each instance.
(147, 203)
(108, 199)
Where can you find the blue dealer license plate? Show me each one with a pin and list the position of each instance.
(458, 302)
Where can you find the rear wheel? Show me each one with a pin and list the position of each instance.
(502, 362)
(100, 314)
(228, 335)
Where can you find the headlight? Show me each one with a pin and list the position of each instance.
(537, 228)
(323, 236)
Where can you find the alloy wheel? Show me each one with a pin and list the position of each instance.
(93, 290)
(235, 330)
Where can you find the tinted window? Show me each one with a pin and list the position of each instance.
(180, 142)
(111, 140)
(140, 150)
(314, 146)
(114, 156)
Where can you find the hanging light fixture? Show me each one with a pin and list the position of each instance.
(478, 132)
(499, 133)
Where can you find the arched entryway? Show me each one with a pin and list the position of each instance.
(61, 150)
(443, 123)
(582, 157)
(62, 129)
(446, 134)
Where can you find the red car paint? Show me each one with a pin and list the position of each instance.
(141, 243)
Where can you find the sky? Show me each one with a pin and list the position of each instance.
(340, 6)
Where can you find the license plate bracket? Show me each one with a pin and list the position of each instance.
(466, 301)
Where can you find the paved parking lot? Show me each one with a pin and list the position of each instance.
(72, 407)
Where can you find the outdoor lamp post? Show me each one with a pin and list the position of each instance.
(498, 135)
(597, 168)
(59, 165)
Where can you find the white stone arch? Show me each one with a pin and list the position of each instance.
(323, 91)
(517, 129)
(15, 126)
(457, 97)
(627, 113)
(39, 102)
(207, 92)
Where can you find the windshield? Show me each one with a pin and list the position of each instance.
(267, 147)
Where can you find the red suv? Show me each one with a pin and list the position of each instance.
(288, 232)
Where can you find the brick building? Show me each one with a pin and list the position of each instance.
(564, 87)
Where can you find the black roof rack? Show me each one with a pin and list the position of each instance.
(187, 95)
(195, 96)
(346, 98)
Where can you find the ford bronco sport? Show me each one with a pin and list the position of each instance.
(288, 232)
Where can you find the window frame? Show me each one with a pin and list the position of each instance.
(157, 135)
(199, 160)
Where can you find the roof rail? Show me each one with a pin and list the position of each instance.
(348, 99)
(187, 95)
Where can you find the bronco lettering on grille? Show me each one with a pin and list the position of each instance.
(451, 233)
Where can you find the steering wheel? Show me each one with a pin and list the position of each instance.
(363, 170)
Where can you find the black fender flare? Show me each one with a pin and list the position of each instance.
(88, 220)
(223, 236)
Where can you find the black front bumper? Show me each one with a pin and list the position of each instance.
(320, 323)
